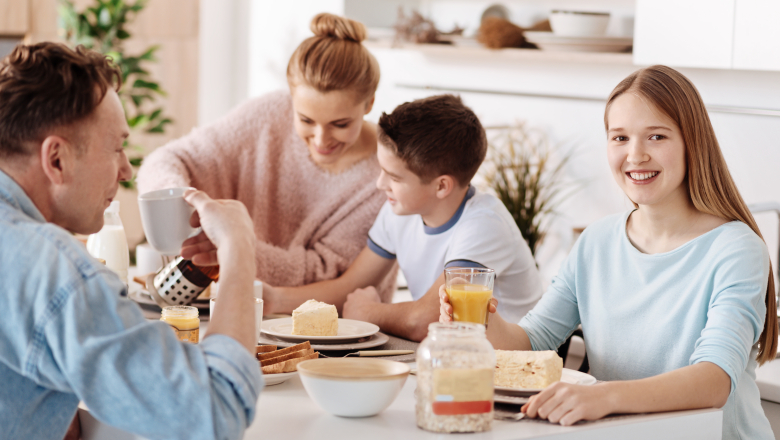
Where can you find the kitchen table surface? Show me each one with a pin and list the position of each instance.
(286, 411)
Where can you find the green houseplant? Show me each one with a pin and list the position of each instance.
(103, 27)
(523, 171)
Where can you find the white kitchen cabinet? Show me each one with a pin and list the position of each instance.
(757, 35)
(684, 33)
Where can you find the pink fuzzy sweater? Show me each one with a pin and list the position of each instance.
(310, 224)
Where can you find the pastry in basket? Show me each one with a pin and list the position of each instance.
(286, 359)
(314, 318)
(527, 369)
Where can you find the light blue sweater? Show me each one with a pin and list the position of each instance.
(643, 315)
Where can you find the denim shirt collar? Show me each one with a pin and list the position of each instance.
(455, 217)
(12, 194)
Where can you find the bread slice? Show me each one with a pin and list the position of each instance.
(264, 349)
(287, 357)
(288, 366)
(527, 369)
(296, 347)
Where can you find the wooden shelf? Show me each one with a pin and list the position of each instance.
(510, 54)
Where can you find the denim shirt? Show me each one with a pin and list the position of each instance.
(68, 334)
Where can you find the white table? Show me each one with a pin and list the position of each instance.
(286, 411)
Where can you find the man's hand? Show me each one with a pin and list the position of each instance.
(360, 302)
(225, 223)
(227, 239)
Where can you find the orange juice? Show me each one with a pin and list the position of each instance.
(469, 302)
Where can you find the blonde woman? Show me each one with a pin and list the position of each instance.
(303, 161)
(676, 298)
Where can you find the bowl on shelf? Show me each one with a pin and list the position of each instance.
(353, 387)
(578, 23)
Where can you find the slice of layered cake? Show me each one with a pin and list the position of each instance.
(527, 369)
(314, 318)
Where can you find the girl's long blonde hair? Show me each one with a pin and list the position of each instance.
(334, 58)
(710, 185)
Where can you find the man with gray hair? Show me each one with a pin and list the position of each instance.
(68, 333)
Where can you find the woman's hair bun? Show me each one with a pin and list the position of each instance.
(330, 25)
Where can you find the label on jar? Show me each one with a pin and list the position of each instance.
(462, 391)
(187, 335)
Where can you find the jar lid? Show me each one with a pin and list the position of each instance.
(180, 311)
(456, 328)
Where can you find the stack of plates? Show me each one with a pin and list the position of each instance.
(352, 335)
(551, 42)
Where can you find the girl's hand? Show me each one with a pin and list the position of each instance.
(567, 403)
(445, 308)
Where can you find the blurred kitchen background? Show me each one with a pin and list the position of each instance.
(216, 53)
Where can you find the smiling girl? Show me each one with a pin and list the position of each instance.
(303, 162)
(676, 297)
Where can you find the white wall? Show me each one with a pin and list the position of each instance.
(278, 27)
(223, 59)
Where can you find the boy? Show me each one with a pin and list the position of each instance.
(429, 150)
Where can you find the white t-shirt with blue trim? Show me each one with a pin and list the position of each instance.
(481, 233)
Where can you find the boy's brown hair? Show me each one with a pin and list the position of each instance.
(435, 136)
(47, 85)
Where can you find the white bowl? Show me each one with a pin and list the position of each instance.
(579, 24)
(353, 387)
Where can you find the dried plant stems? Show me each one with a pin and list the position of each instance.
(527, 180)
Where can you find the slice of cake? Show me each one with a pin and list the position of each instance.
(527, 369)
(314, 318)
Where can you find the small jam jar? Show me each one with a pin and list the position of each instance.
(184, 321)
(455, 367)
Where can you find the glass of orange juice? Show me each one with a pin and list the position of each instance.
(469, 290)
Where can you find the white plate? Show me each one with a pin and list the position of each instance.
(512, 400)
(349, 329)
(374, 340)
(276, 379)
(568, 376)
(551, 42)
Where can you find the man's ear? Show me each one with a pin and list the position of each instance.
(370, 104)
(444, 186)
(56, 158)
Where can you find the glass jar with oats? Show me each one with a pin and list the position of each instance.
(455, 366)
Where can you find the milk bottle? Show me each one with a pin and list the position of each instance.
(110, 243)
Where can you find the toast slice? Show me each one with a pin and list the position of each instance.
(264, 349)
(286, 357)
(297, 347)
(288, 366)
